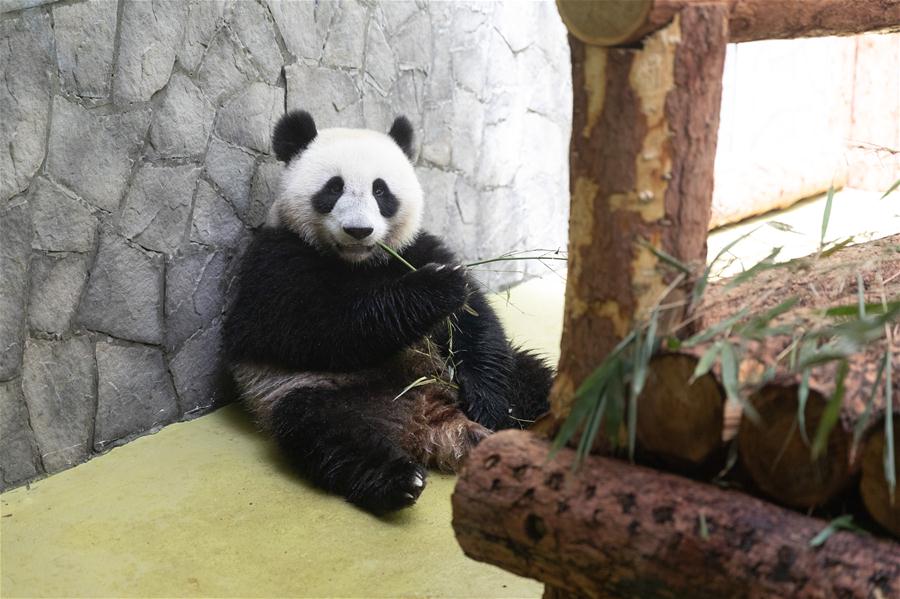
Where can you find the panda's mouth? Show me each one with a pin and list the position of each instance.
(356, 250)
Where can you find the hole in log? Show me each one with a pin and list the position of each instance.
(535, 528)
(554, 481)
(519, 471)
(627, 501)
(491, 461)
(663, 514)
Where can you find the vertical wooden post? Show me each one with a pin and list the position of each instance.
(643, 144)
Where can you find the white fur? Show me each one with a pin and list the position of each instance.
(358, 156)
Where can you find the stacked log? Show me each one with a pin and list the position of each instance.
(618, 530)
(682, 421)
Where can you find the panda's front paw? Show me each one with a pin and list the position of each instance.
(488, 410)
(446, 283)
(391, 486)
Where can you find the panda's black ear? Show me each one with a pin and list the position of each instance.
(293, 133)
(402, 133)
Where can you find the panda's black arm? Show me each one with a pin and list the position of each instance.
(482, 353)
(295, 312)
(484, 362)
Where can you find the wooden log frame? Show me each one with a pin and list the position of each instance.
(645, 120)
(618, 530)
(619, 22)
(644, 131)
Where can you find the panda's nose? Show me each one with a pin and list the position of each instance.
(358, 232)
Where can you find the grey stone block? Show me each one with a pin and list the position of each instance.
(124, 293)
(151, 31)
(263, 191)
(134, 392)
(197, 371)
(257, 34)
(397, 13)
(26, 64)
(61, 222)
(224, 69)
(230, 169)
(381, 64)
(182, 124)
(18, 452)
(215, 222)
(413, 43)
(56, 284)
(58, 381)
(91, 152)
(85, 35)
(158, 205)
(15, 248)
(293, 20)
(248, 118)
(345, 43)
(330, 95)
(204, 19)
(195, 285)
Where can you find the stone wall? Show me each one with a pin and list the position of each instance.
(135, 162)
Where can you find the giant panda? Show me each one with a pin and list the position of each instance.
(328, 333)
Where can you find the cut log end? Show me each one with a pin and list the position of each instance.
(873, 485)
(677, 420)
(778, 458)
(604, 23)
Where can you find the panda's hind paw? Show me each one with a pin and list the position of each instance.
(392, 486)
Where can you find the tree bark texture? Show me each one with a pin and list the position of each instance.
(643, 145)
(619, 22)
(618, 530)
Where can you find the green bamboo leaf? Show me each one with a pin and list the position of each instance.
(703, 280)
(615, 406)
(826, 216)
(840, 523)
(891, 189)
(863, 423)
(422, 380)
(831, 414)
(731, 384)
(667, 258)
(802, 398)
(861, 295)
(766, 263)
(783, 227)
(837, 246)
(719, 327)
(890, 468)
(871, 309)
(706, 361)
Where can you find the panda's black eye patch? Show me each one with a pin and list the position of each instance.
(387, 202)
(325, 199)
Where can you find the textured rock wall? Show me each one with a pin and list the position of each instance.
(135, 161)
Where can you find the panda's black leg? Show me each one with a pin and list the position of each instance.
(339, 449)
(530, 384)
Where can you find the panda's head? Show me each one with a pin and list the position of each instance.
(346, 190)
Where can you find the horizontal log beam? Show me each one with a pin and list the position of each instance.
(618, 530)
(620, 22)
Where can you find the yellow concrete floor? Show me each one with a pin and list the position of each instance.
(208, 509)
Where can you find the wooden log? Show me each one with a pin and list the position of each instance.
(643, 144)
(618, 530)
(776, 455)
(873, 485)
(619, 22)
(677, 420)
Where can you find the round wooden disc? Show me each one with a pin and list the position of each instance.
(778, 459)
(676, 420)
(604, 22)
(873, 486)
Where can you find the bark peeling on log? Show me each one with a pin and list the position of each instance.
(619, 530)
(645, 123)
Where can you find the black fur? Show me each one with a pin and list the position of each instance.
(300, 308)
(402, 133)
(293, 134)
